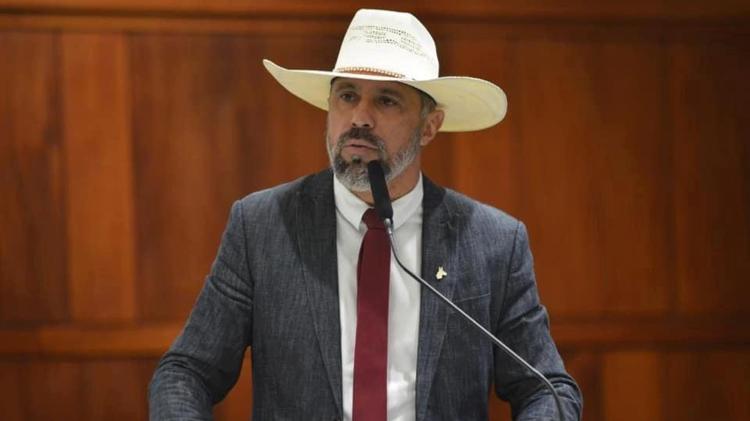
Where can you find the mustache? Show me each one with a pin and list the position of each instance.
(361, 134)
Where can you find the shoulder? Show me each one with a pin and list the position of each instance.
(473, 211)
(286, 195)
(477, 224)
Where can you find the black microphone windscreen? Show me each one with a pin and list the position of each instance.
(379, 189)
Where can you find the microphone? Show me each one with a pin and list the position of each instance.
(379, 189)
(382, 200)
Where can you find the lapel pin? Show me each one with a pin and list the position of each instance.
(441, 273)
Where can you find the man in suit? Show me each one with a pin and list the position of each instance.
(302, 278)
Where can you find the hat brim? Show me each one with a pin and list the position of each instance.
(469, 103)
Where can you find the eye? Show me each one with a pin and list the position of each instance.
(388, 101)
(347, 96)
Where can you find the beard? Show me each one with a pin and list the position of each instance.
(353, 175)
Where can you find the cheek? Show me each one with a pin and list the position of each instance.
(335, 127)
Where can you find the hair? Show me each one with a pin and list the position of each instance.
(428, 104)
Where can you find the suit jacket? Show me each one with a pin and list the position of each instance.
(273, 287)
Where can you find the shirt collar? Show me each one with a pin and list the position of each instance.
(352, 207)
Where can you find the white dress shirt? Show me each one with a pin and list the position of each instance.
(403, 297)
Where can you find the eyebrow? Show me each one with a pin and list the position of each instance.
(342, 85)
(392, 92)
(349, 85)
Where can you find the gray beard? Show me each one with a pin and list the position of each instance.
(353, 175)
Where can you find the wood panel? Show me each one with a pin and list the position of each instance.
(52, 390)
(152, 339)
(680, 385)
(11, 376)
(99, 177)
(586, 368)
(239, 402)
(127, 129)
(226, 134)
(64, 389)
(115, 389)
(707, 385)
(481, 164)
(633, 387)
(709, 94)
(541, 9)
(591, 172)
(32, 215)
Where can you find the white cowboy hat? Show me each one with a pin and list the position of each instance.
(395, 46)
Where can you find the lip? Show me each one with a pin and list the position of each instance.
(359, 144)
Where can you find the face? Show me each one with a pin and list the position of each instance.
(370, 120)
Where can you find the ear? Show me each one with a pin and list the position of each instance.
(432, 124)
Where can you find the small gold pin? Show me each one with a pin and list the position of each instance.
(441, 273)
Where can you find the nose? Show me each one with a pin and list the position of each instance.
(362, 116)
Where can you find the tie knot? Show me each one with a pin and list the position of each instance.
(372, 220)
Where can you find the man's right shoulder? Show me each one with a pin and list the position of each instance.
(286, 194)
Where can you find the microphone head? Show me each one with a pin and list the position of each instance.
(379, 189)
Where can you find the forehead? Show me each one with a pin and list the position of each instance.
(379, 86)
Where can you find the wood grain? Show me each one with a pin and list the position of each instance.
(591, 158)
(543, 9)
(32, 215)
(227, 133)
(89, 341)
(11, 396)
(128, 128)
(53, 390)
(239, 402)
(103, 340)
(709, 94)
(115, 389)
(100, 215)
(632, 385)
(707, 385)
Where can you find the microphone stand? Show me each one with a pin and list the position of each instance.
(389, 229)
(382, 199)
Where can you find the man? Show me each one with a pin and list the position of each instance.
(336, 329)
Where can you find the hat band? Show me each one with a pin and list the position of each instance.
(358, 69)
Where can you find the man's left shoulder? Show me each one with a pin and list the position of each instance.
(475, 214)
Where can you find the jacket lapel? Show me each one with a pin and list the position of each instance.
(316, 228)
(438, 250)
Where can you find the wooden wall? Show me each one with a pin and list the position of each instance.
(127, 128)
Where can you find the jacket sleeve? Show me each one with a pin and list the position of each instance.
(524, 326)
(205, 360)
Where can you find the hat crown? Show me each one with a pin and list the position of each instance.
(391, 43)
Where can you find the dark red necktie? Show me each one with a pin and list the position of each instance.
(371, 346)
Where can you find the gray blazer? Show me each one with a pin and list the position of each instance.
(273, 287)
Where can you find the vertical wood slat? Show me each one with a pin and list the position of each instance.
(32, 212)
(702, 153)
(709, 95)
(116, 389)
(98, 155)
(592, 173)
(586, 368)
(484, 164)
(227, 133)
(62, 389)
(632, 386)
(11, 395)
(189, 161)
(239, 402)
(53, 390)
(704, 385)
